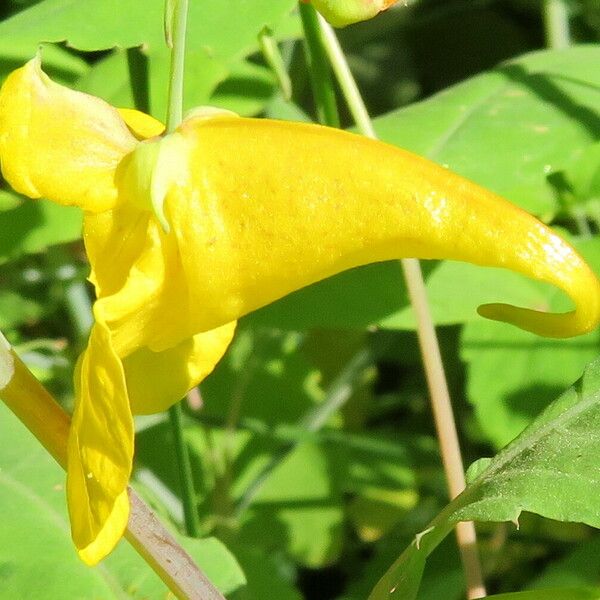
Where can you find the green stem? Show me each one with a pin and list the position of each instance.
(175, 29)
(190, 509)
(77, 299)
(428, 342)
(176, 25)
(272, 55)
(346, 80)
(79, 307)
(556, 24)
(318, 67)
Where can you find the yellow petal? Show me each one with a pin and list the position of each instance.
(272, 207)
(100, 450)
(137, 272)
(58, 143)
(156, 380)
(143, 126)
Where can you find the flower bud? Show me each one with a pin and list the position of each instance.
(345, 12)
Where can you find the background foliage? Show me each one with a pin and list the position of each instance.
(313, 449)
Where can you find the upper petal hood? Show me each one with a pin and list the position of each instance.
(58, 143)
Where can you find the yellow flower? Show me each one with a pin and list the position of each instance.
(188, 232)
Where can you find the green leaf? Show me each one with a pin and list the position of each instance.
(513, 374)
(298, 508)
(246, 90)
(551, 469)
(104, 24)
(509, 128)
(35, 536)
(34, 226)
(554, 594)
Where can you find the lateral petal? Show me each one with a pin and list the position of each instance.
(156, 380)
(58, 143)
(100, 450)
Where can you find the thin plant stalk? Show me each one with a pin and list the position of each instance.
(272, 55)
(428, 342)
(33, 405)
(175, 31)
(318, 67)
(556, 24)
(186, 480)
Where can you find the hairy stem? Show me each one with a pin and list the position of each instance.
(430, 350)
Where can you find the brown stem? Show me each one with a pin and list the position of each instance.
(444, 421)
(430, 349)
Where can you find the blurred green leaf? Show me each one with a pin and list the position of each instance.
(268, 575)
(578, 568)
(554, 594)
(16, 310)
(9, 200)
(104, 24)
(34, 226)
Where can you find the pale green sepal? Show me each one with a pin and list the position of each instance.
(170, 168)
(7, 362)
(154, 167)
